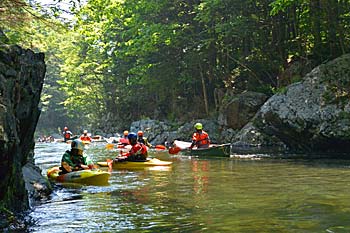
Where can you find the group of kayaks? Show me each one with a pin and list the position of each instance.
(101, 177)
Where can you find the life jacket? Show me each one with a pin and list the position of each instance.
(201, 138)
(67, 134)
(76, 160)
(124, 141)
(85, 138)
(138, 152)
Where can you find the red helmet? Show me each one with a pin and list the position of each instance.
(65, 128)
(140, 133)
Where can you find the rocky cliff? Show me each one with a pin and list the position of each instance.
(21, 80)
(309, 116)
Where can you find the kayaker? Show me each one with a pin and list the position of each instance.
(74, 159)
(138, 151)
(200, 138)
(67, 134)
(85, 136)
(142, 139)
(124, 140)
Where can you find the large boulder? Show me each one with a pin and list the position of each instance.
(21, 79)
(312, 115)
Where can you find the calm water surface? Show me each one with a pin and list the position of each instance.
(200, 195)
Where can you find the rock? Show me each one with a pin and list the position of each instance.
(239, 109)
(21, 79)
(306, 117)
(37, 186)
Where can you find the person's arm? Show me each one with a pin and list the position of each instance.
(67, 163)
(194, 141)
(88, 164)
(147, 143)
(66, 166)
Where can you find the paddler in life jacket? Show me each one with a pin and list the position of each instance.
(142, 139)
(124, 141)
(85, 137)
(138, 151)
(66, 134)
(74, 159)
(200, 138)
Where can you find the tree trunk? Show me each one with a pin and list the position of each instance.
(205, 96)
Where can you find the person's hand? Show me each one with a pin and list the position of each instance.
(82, 166)
(91, 166)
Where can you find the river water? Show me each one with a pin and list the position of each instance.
(200, 195)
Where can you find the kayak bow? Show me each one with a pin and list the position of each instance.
(141, 164)
(88, 177)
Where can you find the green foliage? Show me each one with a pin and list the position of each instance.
(337, 80)
(128, 60)
(279, 90)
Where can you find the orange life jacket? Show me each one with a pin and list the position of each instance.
(201, 138)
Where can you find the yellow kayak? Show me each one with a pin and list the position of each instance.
(141, 164)
(89, 177)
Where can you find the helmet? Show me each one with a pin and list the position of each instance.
(85, 131)
(126, 133)
(140, 133)
(198, 126)
(77, 144)
(65, 128)
(132, 136)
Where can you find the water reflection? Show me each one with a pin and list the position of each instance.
(200, 195)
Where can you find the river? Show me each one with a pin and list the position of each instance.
(200, 195)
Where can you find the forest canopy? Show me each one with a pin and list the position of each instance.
(114, 62)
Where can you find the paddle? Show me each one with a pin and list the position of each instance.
(110, 164)
(160, 147)
(174, 150)
(109, 146)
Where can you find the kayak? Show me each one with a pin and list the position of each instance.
(88, 177)
(214, 150)
(223, 150)
(85, 142)
(141, 164)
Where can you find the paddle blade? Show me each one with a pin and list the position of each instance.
(174, 150)
(110, 164)
(109, 146)
(160, 147)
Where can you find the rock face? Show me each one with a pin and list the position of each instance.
(308, 116)
(238, 110)
(21, 80)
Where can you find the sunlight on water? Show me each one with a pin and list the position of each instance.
(246, 194)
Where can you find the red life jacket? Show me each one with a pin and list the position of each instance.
(138, 149)
(201, 138)
(67, 134)
(124, 141)
(85, 138)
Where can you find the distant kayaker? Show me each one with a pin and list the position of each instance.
(138, 151)
(124, 140)
(200, 138)
(142, 139)
(74, 159)
(67, 134)
(85, 137)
